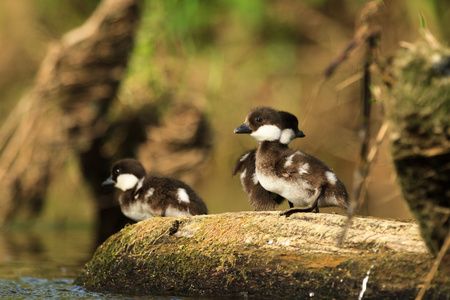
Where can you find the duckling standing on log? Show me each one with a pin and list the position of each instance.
(146, 196)
(300, 178)
(259, 198)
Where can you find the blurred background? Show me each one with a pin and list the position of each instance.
(196, 69)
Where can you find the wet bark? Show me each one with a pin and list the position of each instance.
(264, 255)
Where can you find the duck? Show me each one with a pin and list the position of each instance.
(300, 178)
(145, 196)
(259, 198)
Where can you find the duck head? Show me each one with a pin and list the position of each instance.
(268, 124)
(125, 174)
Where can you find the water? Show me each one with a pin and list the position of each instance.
(39, 288)
(43, 265)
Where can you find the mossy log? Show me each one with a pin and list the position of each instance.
(264, 255)
(419, 110)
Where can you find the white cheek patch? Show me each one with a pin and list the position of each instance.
(287, 135)
(182, 196)
(331, 177)
(267, 133)
(126, 181)
(303, 168)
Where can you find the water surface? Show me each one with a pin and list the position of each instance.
(43, 264)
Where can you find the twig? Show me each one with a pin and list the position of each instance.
(435, 267)
(364, 132)
(365, 34)
(370, 159)
(357, 203)
(349, 81)
(314, 95)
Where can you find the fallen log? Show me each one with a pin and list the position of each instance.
(264, 255)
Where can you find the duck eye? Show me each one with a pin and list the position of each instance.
(116, 171)
(258, 119)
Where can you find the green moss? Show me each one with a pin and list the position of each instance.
(419, 101)
(419, 110)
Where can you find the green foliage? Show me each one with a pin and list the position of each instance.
(188, 29)
(423, 23)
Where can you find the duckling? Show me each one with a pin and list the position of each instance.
(146, 196)
(259, 198)
(300, 178)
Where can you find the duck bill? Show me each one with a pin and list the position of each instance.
(108, 182)
(243, 129)
(299, 134)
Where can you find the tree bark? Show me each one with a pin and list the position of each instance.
(419, 110)
(264, 255)
(76, 83)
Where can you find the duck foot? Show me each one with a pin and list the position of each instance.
(294, 210)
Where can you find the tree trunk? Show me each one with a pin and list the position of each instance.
(264, 255)
(70, 110)
(75, 85)
(419, 110)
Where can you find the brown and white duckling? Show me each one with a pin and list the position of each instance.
(259, 198)
(146, 196)
(300, 178)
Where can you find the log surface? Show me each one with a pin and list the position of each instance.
(264, 255)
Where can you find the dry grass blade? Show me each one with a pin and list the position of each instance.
(357, 203)
(435, 267)
(365, 34)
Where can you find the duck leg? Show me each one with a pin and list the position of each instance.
(314, 207)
